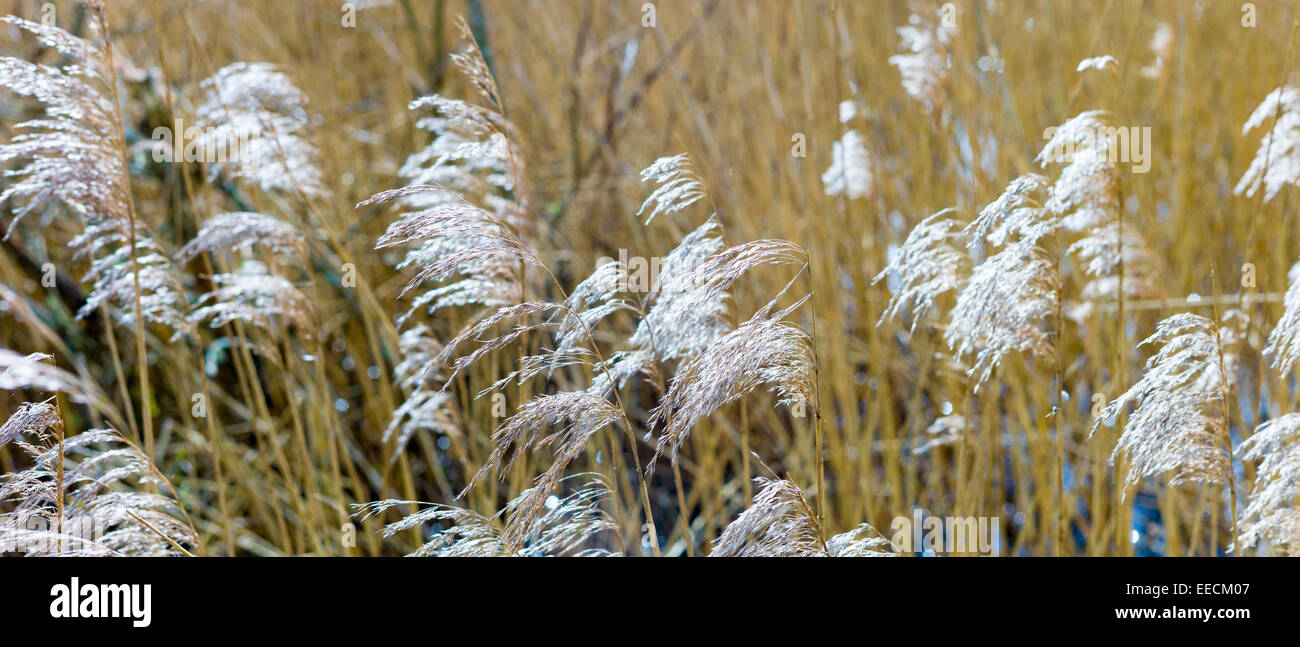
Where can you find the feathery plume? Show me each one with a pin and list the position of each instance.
(241, 229)
(678, 186)
(1004, 308)
(860, 542)
(73, 156)
(593, 299)
(470, 161)
(762, 351)
(37, 372)
(471, 152)
(259, 107)
(473, 65)
(1102, 254)
(683, 320)
(780, 523)
(1234, 329)
(928, 265)
(162, 299)
(850, 171)
(925, 62)
(1010, 296)
(1086, 194)
(718, 272)
(1179, 421)
(519, 313)
(458, 238)
(1271, 514)
(255, 296)
(463, 217)
(426, 407)
(1086, 199)
(620, 366)
(582, 414)
(1277, 162)
(102, 487)
(568, 524)
(37, 419)
(1018, 212)
(465, 533)
(1283, 346)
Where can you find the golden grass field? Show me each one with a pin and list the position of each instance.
(292, 438)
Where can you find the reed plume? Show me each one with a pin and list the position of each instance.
(1271, 514)
(77, 156)
(1277, 161)
(764, 351)
(678, 186)
(243, 230)
(925, 61)
(1180, 420)
(681, 320)
(1011, 295)
(427, 407)
(86, 495)
(36, 371)
(928, 265)
(257, 107)
(780, 523)
(568, 526)
(1086, 199)
(253, 295)
(1283, 346)
(850, 173)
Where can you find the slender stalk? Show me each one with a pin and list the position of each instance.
(687, 536)
(160, 534)
(308, 476)
(1059, 409)
(817, 406)
(336, 471)
(142, 357)
(1232, 471)
(118, 372)
(58, 484)
(1227, 422)
(744, 453)
(1121, 346)
(224, 506)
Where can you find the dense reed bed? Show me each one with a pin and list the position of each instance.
(480, 277)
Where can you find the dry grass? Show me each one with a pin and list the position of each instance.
(325, 383)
